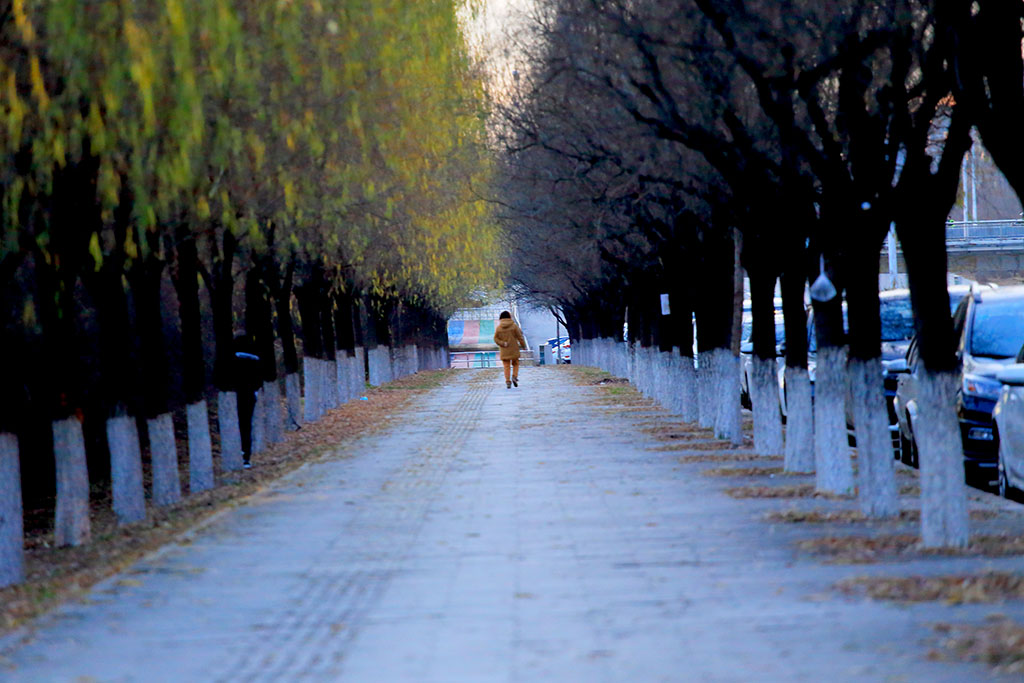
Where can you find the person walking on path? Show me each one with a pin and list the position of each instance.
(247, 383)
(510, 338)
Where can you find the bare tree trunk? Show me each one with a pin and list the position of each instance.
(877, 491)
(359, 374)
(230, 435)
(313, 382)
(727, 388)
(126, 469)
(705, 392)
(293, 397)
(164, 457)
(944, 518)
(686, 396)
(764, 394)
(272, 412)
(800, 425)
(831, 449)
(12, 544)
(71, 526)
(200, 448)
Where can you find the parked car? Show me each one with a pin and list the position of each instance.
(897, 328)
(561, 350)
(897, 317)
(989, 331)
(1009, 420)
(747, 351)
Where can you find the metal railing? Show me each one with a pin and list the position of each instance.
(484, 359)
(481, 313)
(965, 231)
(474, 359)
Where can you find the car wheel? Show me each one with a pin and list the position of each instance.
(908, 448)
(1006, 490)
(904, 449)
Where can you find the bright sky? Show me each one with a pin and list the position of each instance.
(488, 32)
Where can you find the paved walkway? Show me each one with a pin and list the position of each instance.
(497, 535)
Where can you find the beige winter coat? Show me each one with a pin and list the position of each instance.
(510, 338)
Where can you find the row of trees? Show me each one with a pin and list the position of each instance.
(178, 171)
(665, 145)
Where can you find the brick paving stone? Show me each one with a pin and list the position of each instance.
(495, 535)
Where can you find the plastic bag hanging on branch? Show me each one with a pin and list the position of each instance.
(822, 289)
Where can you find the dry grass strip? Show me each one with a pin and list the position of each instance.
(619, 401)
(869, 549)
(787, 491)
(998, 643)
(794, 516)
(585, 374)
(739, 456)
(987, 587)
(744, 472)
(54, 575)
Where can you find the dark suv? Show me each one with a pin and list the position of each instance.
(989, 329)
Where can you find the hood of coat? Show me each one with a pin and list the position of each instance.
(506, 324)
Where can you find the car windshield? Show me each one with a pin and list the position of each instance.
(997, 330)
(954, 300)
(897, 319)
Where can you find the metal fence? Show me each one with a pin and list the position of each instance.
(965, 231)
(485, 359)
(474, 359)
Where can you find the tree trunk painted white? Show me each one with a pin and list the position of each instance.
(639, 368)
(727, 389)
(398, 361)
(705, 395)
(293, 397)
(274, 429)
(200, 448)
(764, 396)
(390, 359)
(230, 436)
(163, 454)
(346, 367)
(71, 524)
(799, 454)
(373, 370)
(356, 376)
(687, 388)
(944, 519)
(647, 370)
(129, 496)
(341, 383)
(259, 423)
(663, 379)
(831, 444)
(876, 482)
(312, 382)
(330, 384)
(631, 365)
(359, 376)
(12, 532)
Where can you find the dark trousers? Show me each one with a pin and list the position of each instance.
(246, 407)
